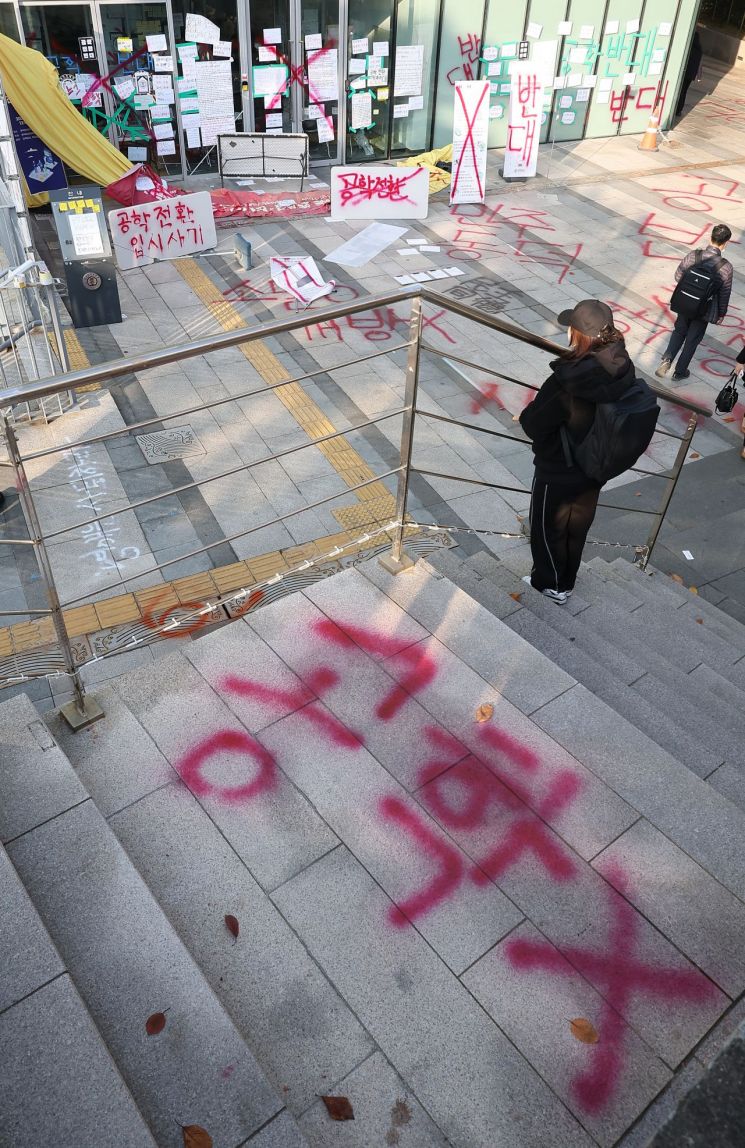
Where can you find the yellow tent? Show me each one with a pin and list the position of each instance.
(32, 86)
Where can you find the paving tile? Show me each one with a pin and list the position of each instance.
(60, 1084)
(520, 673)
(28, 959)
(698, 914)
(300, 1029)
(84, 887)
(394, 838)
(277, 832)
(473, 1083)
(351, 597)
(36, 780)
(385, 1112)
(704, 824)
(281, 1132)
(606, 1085)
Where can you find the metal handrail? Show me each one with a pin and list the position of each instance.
(81, 711)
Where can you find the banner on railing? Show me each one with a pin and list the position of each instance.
(470, 131)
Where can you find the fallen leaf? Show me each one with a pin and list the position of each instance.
(195, 1137)
(516, 596)
(699, 621)
(728, 419)
(338, 1107)
(694, 454)
(638, 494)
(584, 1030)
(677, 578)
(231, 924)
(693, 589)
(484, 712)
(155, 1023)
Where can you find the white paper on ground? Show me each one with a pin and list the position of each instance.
(404, 280)
(687, 554)
(407, 251)
(422, 277)
(300, 277)
(438, 273)
(453, 271)
(365, 245)
(427, 247)
(416, 241)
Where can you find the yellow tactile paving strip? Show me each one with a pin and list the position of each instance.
(375, 505)
(347, 463)
(151, 604)
(76, 355)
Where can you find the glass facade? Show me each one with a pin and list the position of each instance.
(366, 80)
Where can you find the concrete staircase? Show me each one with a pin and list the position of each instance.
(449, 816)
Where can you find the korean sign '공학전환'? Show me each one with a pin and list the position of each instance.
(371, 192)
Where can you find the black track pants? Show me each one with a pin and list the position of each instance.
(560, 519)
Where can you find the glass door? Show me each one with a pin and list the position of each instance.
(295, 72)
(116, 64)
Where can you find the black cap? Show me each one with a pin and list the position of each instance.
(590, 317)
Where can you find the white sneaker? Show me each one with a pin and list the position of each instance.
(554, 595)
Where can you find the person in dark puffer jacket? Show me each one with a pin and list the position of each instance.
(596, 368)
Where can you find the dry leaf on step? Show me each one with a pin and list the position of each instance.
(517, 597)
(155, 1023)
(699, 621)
(693, 589)
(338, 1107)
(694, 454)
(584, 1030)
(231, 924)
(677, 578)
(196, 1137)
(484, 711)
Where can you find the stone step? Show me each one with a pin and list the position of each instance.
(59, 1082)
(593, 674)
(703, 823)
(123, 956)
(657, 586)
(296, 1025)
(687, 718)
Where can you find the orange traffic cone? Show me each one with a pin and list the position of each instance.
(649, 139)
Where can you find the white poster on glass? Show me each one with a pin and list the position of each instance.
(408, 72)
(470, 131)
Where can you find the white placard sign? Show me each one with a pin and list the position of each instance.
(470, 131)
(524, 124)
(376, 192)
(165, 229)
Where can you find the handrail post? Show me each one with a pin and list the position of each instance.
(397, 560)
(83, 711)
(645, 553)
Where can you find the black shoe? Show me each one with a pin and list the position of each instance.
(2, 500)
(678, 375)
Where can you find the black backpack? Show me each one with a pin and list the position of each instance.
(620, 432)
(697, 287)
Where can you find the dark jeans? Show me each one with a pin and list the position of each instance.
(687, 333)
(560, 519)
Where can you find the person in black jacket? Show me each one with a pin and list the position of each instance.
(740, 360)
(595, 369)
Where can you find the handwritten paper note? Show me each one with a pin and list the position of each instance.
(272, 35)
(323, 75)
(313, 42)
(359, 46)
(361, 110)
(409, 68)
(156, 43)
(201, 30)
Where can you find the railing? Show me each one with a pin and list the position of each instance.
(83, 709)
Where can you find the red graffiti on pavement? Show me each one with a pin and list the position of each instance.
(163, 623)
(421, 669)
(694, 194)
(301, 699)
(248, 292)
(619, 976)
(191, 767)
(377, 326)
(508, 230)
(450, 863)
